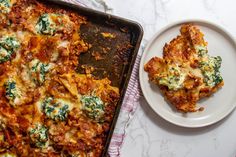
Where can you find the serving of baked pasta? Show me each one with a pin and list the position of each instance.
(187, 72)
(46, 107)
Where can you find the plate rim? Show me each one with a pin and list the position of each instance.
(141, 70)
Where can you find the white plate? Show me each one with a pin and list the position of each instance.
(218, 106)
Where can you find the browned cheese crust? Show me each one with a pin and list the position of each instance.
(46, 107)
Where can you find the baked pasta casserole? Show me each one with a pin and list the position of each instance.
(46, 107)
(186, 73)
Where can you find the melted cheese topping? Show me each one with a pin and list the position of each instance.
(173, 77)
(41, 103)
(7, 155)
(5, 6)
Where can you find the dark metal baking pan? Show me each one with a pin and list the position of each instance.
(116, 55)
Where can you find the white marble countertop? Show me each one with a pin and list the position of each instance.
(148, 135)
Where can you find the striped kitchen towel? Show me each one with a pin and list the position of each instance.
(132, 95)
(128, 109)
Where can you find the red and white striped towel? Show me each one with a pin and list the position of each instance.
(132, 95)
(127, 111)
